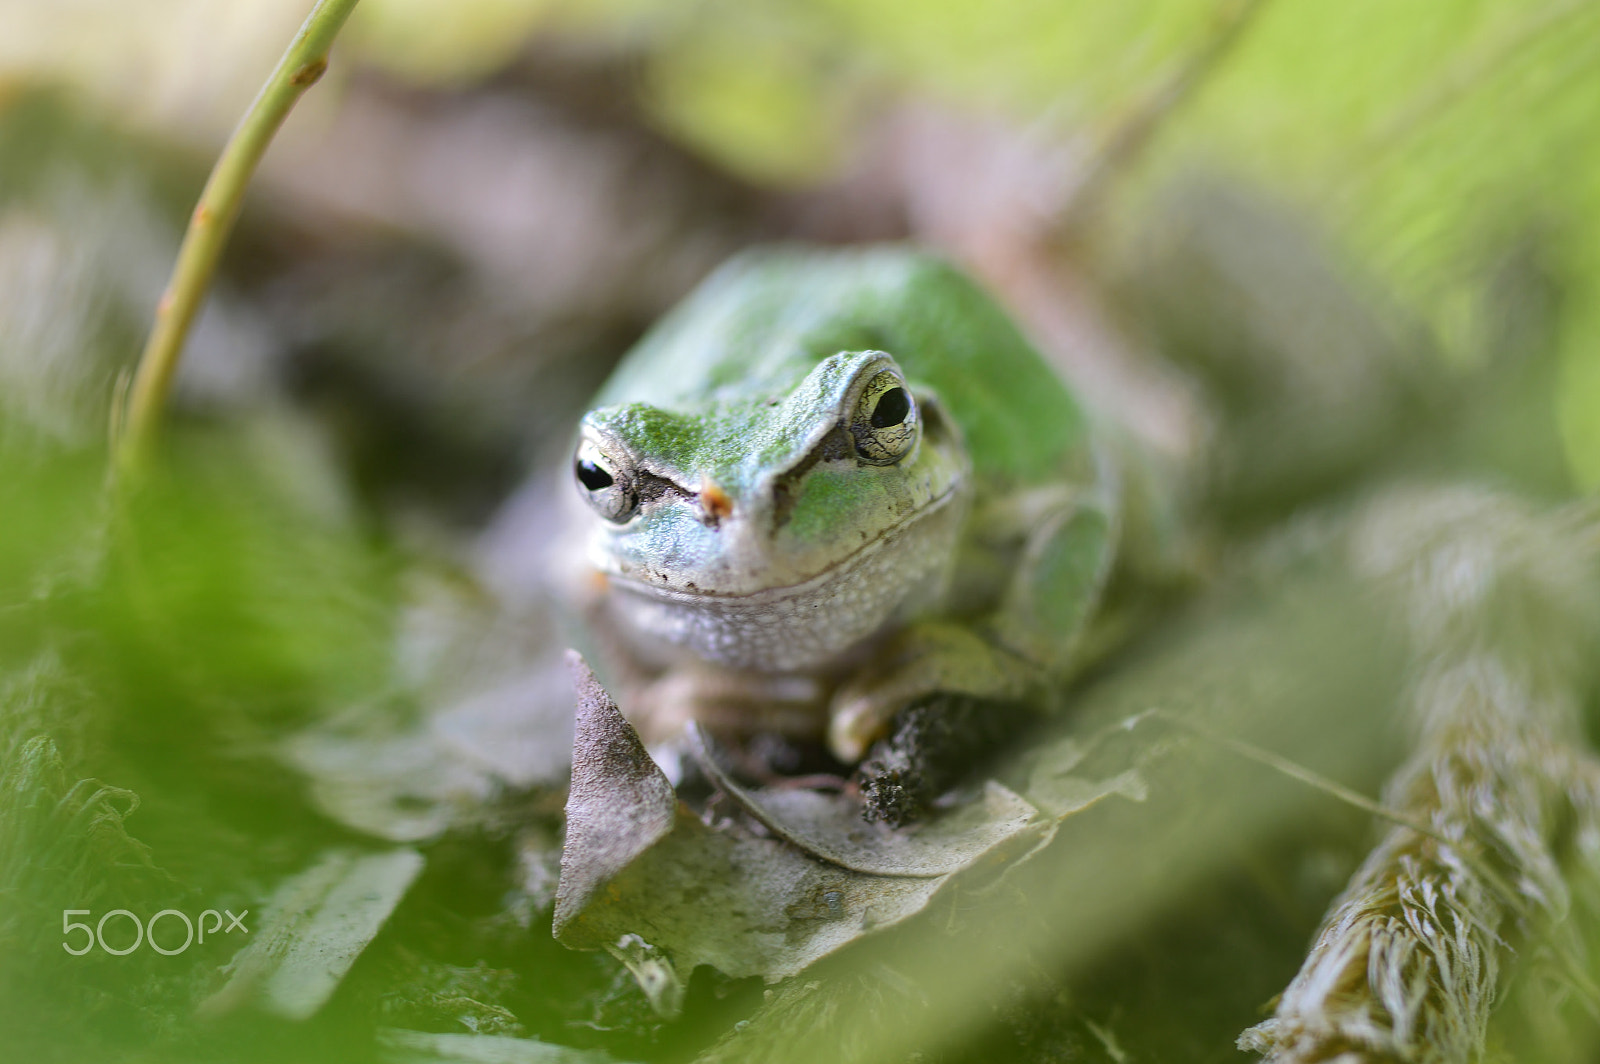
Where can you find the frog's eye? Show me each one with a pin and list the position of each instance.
(604, 483)
(885, 421)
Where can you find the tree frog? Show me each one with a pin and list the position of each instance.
(834, 485)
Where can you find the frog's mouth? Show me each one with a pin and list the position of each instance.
(659, 585)
(809, 622)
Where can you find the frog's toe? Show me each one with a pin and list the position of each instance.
(927, 660)
(855, 723)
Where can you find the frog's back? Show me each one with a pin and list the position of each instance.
(758, 325)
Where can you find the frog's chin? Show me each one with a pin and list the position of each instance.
(807, 623)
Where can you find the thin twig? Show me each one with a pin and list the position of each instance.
(1472, 71)
(1296, 771)
(212, 221)
(1588, 991)
(1133, 135)
(1385, 145)
(1496, 882)
(1411, 958)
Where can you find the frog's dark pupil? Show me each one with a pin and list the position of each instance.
(893, 405)
(592, 476)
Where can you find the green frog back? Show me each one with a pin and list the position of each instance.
(768, 317)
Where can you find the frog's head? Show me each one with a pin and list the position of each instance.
(775, 530)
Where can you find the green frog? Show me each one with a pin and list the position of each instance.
(834, 487)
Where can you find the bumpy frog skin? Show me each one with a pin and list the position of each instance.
(757, 535)
(846, 471)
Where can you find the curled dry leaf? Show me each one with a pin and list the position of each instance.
(644, 878)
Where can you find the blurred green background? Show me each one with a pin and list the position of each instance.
(1425, 138)
(477, 211)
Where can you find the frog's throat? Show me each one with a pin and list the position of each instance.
(811, 622)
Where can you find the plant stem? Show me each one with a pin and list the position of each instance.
(212, 221)
(1132, 136)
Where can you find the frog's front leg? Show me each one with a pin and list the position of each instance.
(943, 695)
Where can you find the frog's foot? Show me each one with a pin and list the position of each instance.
(935, 744)
(926, 660)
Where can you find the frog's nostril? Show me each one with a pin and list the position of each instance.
(714, 504)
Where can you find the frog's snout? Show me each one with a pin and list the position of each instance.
(714, 504)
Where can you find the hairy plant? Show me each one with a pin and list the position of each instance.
(1498, 802)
